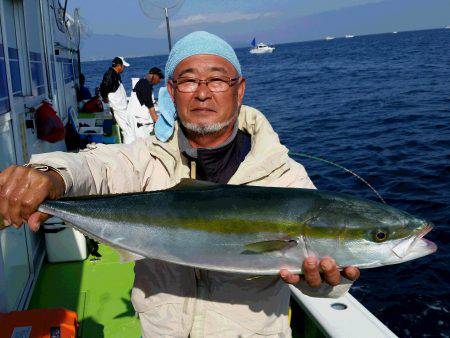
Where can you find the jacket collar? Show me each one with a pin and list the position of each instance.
(267, 154)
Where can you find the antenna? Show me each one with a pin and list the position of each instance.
(159, 10)
(78, 29)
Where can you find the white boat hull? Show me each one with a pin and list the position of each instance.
(262, 50)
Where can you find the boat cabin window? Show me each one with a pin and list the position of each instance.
(67, 69)
(35, 46)
(13, 48)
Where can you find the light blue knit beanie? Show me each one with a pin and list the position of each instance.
(195, 43)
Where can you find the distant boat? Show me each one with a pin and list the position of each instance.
(328, 38)
(394, 32)
(447, 27)
(349, 36)
(261, 48)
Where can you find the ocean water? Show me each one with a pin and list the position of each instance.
(379, 105)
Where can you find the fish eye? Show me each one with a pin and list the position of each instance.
(380, 235)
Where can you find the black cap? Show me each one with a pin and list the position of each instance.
(117, 61)
(156, 71)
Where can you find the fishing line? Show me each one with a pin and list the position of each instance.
(341, 167)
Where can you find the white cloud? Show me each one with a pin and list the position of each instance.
(212, 18)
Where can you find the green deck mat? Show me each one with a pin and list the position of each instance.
(97, 289)
(86, 116)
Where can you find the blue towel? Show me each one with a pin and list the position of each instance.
(195, 43)
(166, 120)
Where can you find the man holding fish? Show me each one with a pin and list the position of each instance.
(217, 139)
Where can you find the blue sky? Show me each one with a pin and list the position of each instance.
(238, 21)
(126, 18)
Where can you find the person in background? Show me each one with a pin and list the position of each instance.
(141, 102)
(83, 92)
(214, 138)
(113, 92)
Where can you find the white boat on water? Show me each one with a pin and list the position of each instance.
(349, 36)
(329, 38)
(261, 48)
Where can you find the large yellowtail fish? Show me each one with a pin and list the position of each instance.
(248, 229)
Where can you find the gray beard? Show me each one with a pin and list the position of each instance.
(207, 129)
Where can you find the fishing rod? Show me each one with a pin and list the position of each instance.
(341, 167)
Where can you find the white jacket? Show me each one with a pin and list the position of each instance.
(175, 300)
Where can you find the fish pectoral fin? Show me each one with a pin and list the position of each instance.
(268, 246)
(253, 278)
(190, 183)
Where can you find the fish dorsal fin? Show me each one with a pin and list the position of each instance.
(187, 183)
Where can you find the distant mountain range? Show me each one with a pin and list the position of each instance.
(102, 46)
(385, 16)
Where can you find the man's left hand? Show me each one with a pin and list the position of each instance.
(312, 276)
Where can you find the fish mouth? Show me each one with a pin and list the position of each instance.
(415, 246)
(428, 227)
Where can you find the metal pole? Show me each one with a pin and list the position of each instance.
(46, 56)
(168, 28)
(78, 53)
(64, 12)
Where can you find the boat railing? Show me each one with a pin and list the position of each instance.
(342, 317)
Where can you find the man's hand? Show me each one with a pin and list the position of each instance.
(312, 276)
(22, 190)
(153, 114)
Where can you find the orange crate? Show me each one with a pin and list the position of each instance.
(39, 323)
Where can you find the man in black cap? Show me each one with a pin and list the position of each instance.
(141, 102)
(113, 92)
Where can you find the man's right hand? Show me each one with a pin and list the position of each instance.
(22, 190)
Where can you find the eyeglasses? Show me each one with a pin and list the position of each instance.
(215, 84)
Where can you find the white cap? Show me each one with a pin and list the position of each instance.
(126, 64)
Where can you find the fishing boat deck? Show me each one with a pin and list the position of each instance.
(97, 289)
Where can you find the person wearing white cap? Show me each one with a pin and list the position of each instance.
(141, 103)
(113, 92)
